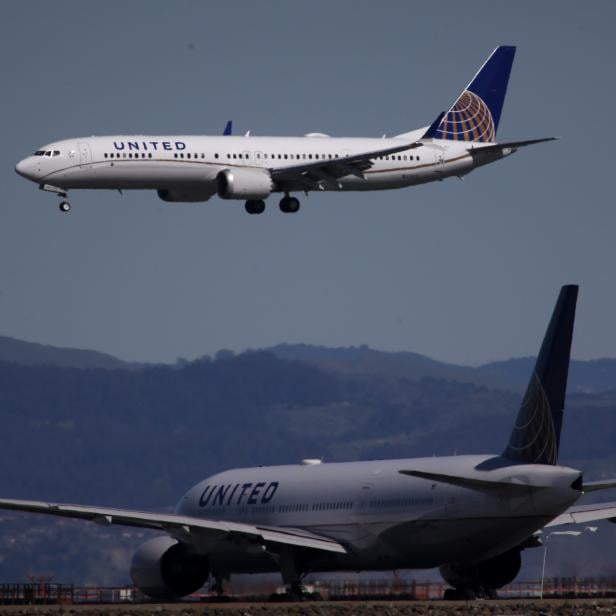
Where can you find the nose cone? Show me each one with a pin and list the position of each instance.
(25, 168)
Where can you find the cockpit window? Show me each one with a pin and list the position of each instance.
(48, 153)
(56, 153)
(39, 153)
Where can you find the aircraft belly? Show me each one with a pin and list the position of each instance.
(133, 175)
(420, 544)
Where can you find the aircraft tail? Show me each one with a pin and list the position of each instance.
(535, 438)
(476, 113)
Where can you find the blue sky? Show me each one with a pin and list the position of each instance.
(460, 271)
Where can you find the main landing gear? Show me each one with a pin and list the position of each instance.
(65, 206)
(288, 205)
(255, 206)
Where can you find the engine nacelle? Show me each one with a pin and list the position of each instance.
(174, 195)
(494, 573)
(244, 184)
(163, 568)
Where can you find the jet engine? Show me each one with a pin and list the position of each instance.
(249, 184)
(183, 195)
(163, 568)
(485, 576)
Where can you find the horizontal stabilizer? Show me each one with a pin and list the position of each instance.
(510, 145)
(602, 484)
(581, 514)
(474, 484)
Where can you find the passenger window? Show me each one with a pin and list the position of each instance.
(150, 155)
(105, 155)
(310, 156)
(215, 155)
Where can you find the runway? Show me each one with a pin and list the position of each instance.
(551, 607)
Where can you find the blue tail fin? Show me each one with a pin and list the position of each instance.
(535, 438)
(476, 113)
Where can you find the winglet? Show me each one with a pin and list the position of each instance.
(228, 128)
(431, 132)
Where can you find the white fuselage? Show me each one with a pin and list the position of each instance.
(386, 519)
(188, 165)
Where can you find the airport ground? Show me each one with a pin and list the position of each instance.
(549, 607)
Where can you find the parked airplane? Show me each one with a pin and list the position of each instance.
(470, 515)
(193, 168)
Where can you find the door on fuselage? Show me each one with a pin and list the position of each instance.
(85, 155)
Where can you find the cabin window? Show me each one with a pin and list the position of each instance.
(215, 155)
(150, 155)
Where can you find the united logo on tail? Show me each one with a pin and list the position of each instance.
(468, 120)
(475, 114)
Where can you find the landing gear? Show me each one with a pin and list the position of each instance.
(255, 206)
(64, 205)
(469, 594)
(289, 205)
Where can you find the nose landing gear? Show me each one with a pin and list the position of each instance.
(64, 205)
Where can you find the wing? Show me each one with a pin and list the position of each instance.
(580, 514)
(316, 174)
(183, 528)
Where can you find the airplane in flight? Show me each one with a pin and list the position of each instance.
(193, 168)
(470, 515)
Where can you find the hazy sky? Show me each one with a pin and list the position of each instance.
(461, 271)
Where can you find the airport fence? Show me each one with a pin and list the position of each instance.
(333, 590)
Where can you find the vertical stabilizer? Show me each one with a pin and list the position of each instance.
(476, 113)
(536, 435)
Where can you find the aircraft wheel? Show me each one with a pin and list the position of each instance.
(65, 206)
(255, 206)
(458, 594)
(289, 205)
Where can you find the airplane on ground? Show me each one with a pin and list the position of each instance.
(470, 515)
(194, 168)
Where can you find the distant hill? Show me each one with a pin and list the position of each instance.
(512, 375)
(593, 376)
(34, 354)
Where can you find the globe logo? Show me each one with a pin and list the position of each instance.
(468, 120)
